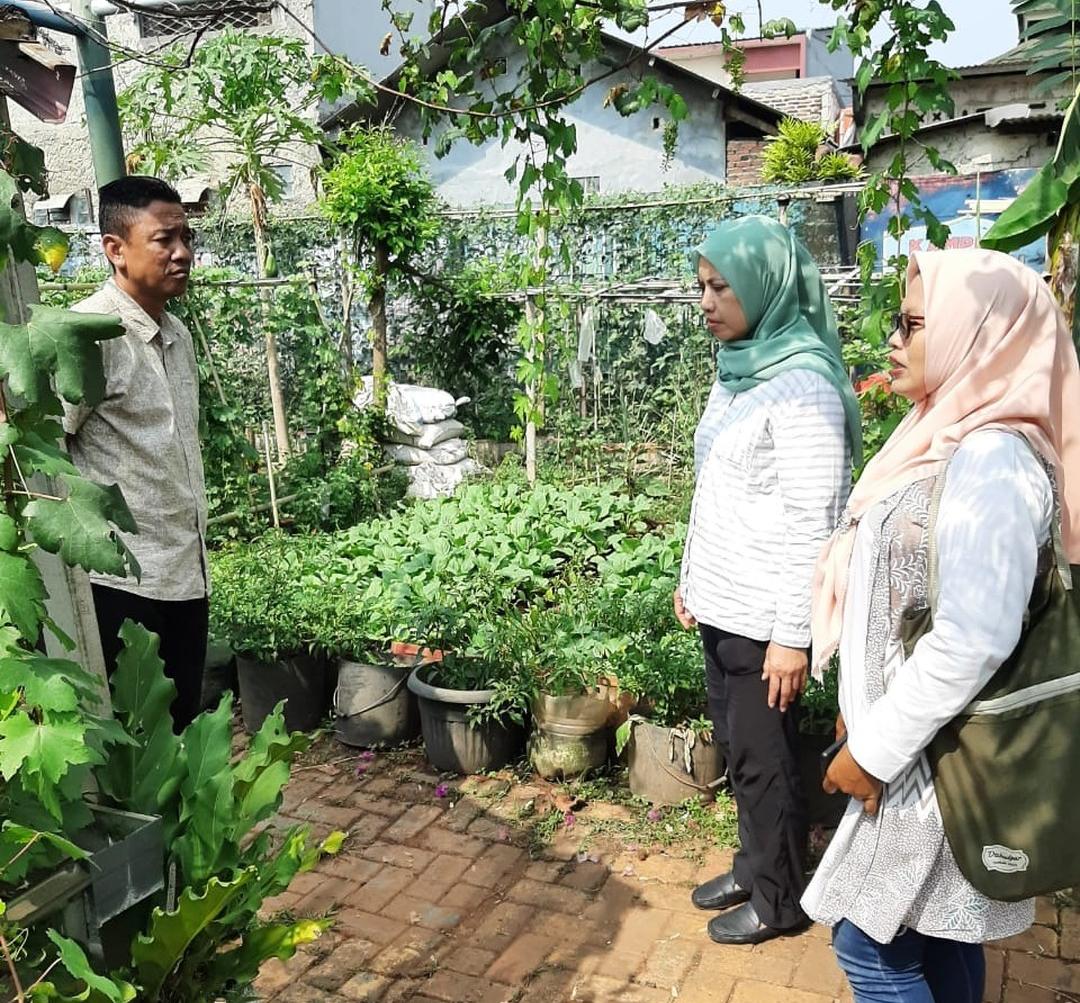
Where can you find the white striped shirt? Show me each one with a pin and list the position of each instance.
(773, 475)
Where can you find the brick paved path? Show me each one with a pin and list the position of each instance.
(439, 900)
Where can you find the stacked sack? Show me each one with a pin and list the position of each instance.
(425, 438)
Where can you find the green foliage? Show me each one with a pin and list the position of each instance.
(252, 97)
(1050, 41)
(377, 190)
(794, 156)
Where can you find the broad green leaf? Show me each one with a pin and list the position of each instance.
(51, 684)
(37, 454)
(22, 595)
(79, 527)
(47, 748)
(276, 940)
(1032, 213)
(156, 953)
(61, 345)
(261, 775)
(75, 961)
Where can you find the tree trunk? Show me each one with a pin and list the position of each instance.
(378, 324)
(273, 369)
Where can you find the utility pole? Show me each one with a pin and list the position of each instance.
(99, 95)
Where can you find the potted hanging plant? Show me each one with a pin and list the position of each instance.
(473, 700)
(264, 606)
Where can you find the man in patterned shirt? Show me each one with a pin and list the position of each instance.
(144, 433)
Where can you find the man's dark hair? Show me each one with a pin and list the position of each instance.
(119, 201)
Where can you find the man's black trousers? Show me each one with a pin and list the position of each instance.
(182, 626)
(761, 749)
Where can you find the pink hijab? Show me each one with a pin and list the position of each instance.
(998, 352)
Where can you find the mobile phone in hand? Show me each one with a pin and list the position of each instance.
(830, 754)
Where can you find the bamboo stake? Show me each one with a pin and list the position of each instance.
(270, 476)
(201, 332)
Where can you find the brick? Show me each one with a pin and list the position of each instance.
(419, 913)
(639, 931)
(492, 865)
(415, 820)
(285, 902)
(757, 992)
(327, 896)
(817, 971)
(464, 898)
(381, 785)
(501, 926)
(298, 992)
(276, 974)
(1040, 940)
(520, 959)
(486, 827)
(544, 870)
(366, 986)
(366, 802)
(1069, 947)
(349, 867)
(413, 955)
(1046, 911)
(340, 966)
(670, 870)
(381, 889)
(554, 897)
(1030, 976)
(446, 868)
(321, 813)
(604, 989)
(460, 817)
(670, 961)
(377, 929)
(469, 960)
(447, 843)
(744, 963)
(304, 883)
(427, 890)
(454, 987)
(586, 877)
(399, 856)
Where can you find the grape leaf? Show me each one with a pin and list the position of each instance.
(46, 749)
(78, 527)
(53, 684)
(22, 595)
(61, 343)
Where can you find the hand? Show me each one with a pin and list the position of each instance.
(785, 668)
(841, 729)
(846, 775)
(681, 614)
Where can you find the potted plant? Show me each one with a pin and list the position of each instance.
(264, 607)
(473, 700)
(668, 741)
(372, 703)
(566, 650)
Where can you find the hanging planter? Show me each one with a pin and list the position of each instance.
(669, 765)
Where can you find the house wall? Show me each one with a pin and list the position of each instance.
(66, 146)
(820, 62)
(625, 154)
(809, 100)
(356, 29)
(744, 157)
(969, 144)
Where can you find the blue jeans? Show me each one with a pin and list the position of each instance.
(912, 968)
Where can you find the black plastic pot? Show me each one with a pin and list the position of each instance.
(301, 680)
(219, 674)
(824, 809)
(451, 742)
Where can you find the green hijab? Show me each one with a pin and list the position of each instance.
(791, 319)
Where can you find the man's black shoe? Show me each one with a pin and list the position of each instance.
(744, 926)
(719, 893)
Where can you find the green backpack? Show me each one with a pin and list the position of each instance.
(1004, 768)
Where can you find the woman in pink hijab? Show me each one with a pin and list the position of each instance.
(985, 356)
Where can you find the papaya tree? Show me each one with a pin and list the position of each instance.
(247, 101)
(377, 192)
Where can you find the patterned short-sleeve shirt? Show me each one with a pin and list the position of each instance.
(144, 437)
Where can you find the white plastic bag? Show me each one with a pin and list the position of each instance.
(451, 451)
(408, 406)
(429, 435)
(434, 480)
(655, 329)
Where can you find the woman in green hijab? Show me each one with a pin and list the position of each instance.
(773, 455)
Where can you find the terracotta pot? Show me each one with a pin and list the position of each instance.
(402, 649)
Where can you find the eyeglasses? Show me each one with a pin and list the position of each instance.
(902, 322)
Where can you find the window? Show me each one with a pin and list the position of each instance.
(284, 174)
(211, 15)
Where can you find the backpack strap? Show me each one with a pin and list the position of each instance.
(933, 572)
